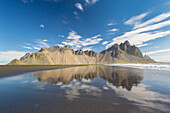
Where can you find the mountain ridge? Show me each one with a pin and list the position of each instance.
(65, 55)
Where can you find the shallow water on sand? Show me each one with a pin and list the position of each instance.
(88, 89)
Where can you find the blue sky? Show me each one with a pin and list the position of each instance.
(28, 25)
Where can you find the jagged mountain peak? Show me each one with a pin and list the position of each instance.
(126, 42)
(66, 55)
(115, 46)
(55, 48)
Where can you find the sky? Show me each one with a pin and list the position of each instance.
(28, 25)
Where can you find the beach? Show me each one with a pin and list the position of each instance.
(8, 70)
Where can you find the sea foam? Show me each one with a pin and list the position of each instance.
(154, 66)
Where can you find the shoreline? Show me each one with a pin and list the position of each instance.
(10, 70)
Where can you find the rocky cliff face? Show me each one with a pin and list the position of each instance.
(65, 55)
(131, 49)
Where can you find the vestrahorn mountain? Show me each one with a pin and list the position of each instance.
(54, 55)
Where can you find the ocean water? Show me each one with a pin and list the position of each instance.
(87, 89)
(151, 66)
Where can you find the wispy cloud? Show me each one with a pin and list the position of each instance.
(112, 30)
(90, 41)
(141, 45)
(7, 56)
(158, 51)
(41, 43)
(45, 40)
(163, 58)
(105, 42)
(37, 44)
(61, 36)
(147, 31)
(91, 2)
(52, 0)
(136, 19)
(111, 23)
(37, 48)
(99, 35)
(153, 20)
(87, 48)
(76, 41)
(26, 47)
(64, 22)
(42, 26)
(79, 6)
(167, 3)
(75, 13)
(73, 35)
(27, 1)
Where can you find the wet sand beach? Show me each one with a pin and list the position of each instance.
(8, 70)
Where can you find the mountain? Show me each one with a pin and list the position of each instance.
(123, 53)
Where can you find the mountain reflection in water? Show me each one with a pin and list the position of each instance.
(124, 77)
(87, 89)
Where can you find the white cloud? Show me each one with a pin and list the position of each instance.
(111, 23)
(42, 26)
(87, 48)
(105, 42)
(26, 47)
(61, 36)
(136, 19)
(73, 35)
(112, 30)
(8, 56)
(26, 1)
(38, 43)
(75, 13)
(41, 43)
(94, 1)
(76, 41)
(143, 34)
(141, 45)
(37, 48)
(99, 35)
(91, 2)
(45, 40)
(28, 44)
(138, 39)
(154, 20)
(158, 51)
(52, 0)
(163, 58)
(90, 41)
(79, 6)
